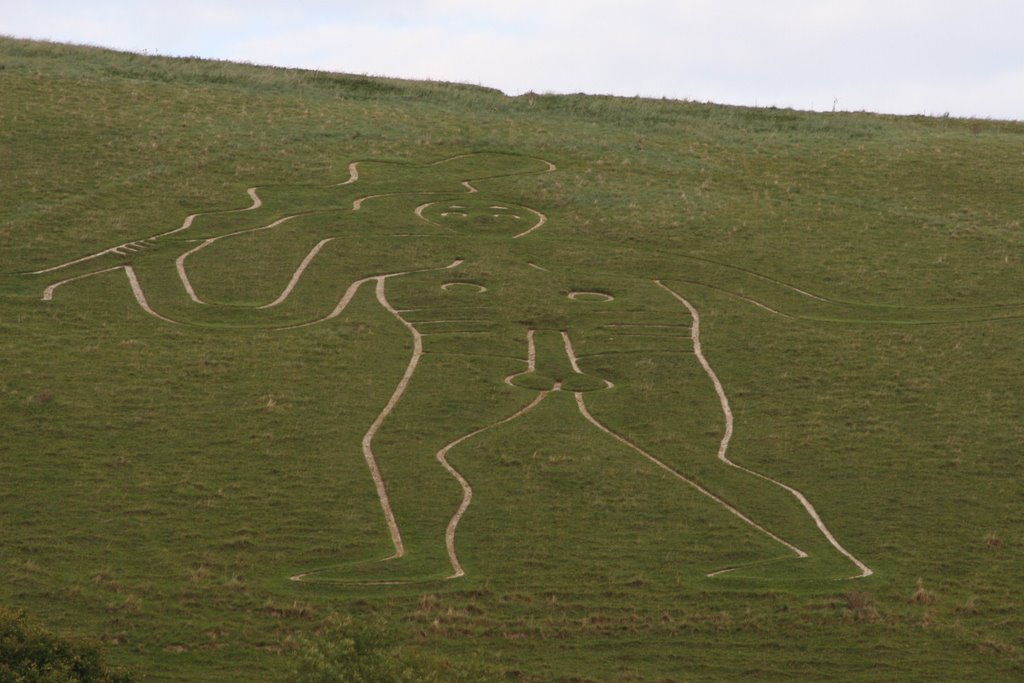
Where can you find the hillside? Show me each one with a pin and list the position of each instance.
(557, 388)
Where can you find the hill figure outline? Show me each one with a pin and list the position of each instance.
(461, 232)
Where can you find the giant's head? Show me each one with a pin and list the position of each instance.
(478, 215)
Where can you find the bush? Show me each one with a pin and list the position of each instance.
(31, 654)
(348, 650)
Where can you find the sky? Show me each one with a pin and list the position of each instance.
(933, 57)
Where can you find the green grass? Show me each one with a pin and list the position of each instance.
(161, 482)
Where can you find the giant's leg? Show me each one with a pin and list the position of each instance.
(672, 410)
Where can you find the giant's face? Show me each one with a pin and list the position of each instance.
(482, 216)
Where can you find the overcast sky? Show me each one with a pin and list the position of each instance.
(965, 58)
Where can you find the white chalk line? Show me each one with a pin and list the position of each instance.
(353, 174)
(479, 289)
(467, 490)
(130, 247)
(755, 302)
(541, 220)
(179, 266)
(133, 281)
(368, 454)
(574, 362)
(467, 497)
(851, 304)
(136, 289)
(48, 292)
(367, 441)
(140, 296)
(256, 203)
(567, 343)
(604, 298)
(470, 189)
(551, 166)
(354, 287)
(179, 263)
(758, 275)
(724, 445)
(111, 250)
(854, 305)
(581, 404)
(357, 204)
(135, 245)
(298, 273)
(531, 359)
(761, 305)
(342, 304)
(186, 224)
(396, 395)
(419, 211)
(353, 169)
(417, 353)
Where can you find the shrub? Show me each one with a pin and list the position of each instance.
(348, 650)
(31, 654)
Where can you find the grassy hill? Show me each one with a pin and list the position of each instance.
(489, 304)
